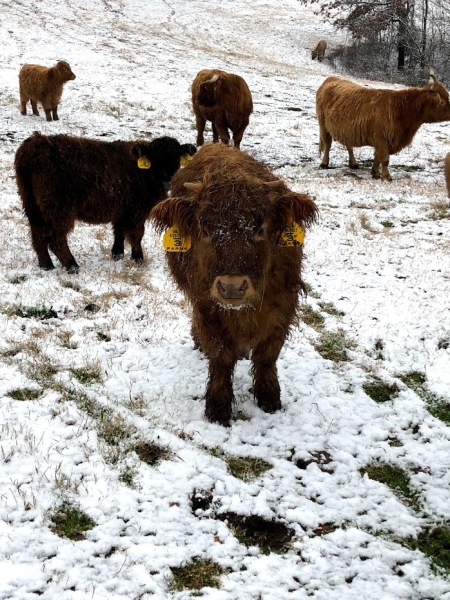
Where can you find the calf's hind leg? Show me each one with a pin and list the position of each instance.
(40, 239)
(60, 248)
(324, 146)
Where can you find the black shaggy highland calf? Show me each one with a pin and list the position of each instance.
(63, 179)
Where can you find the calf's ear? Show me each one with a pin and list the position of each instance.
(295, 207)
(173, 211)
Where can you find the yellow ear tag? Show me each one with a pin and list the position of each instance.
(185, 159)
(144, 162)
(293, 235)
(173, 242)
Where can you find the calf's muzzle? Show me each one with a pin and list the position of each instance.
(234, 289)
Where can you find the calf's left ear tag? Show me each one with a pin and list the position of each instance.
(185, 159)
(144, 162)
(174, 242)
(293, 235)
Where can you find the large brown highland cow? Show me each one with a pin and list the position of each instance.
(44, 85)
(385, 119)
(63, 179)
(240, 232)
(225, 100)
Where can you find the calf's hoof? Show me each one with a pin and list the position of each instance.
(268, 403)
(323, 166)
(73, 269)
(47, 266)
(222, 415)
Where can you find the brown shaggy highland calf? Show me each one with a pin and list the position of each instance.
(319, 51)
(385, 119)
(240, 268)
(63, 179)
(225, 100)
(44, 85)
(447, 173)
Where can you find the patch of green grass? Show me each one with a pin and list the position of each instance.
(396, 479)
(71, 522)
(18, 279)
(268, 535)
(311, 317)
(381, 391)
(25, 394)
(387, 224)
(334, 346)
(87, 375)
(438, 407)
(151, 453)
(30, 312)
(246, 467)
(329, 308)
(434, 542)
(196, 574)
(103, 337)
(114, 429)
(128, 476)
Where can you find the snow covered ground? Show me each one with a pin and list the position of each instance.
(97, 365)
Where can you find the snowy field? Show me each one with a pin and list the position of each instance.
(101, 410)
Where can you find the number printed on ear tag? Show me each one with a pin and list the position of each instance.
(144, 162)
(293, 235)
(174, 242)
(185, 159)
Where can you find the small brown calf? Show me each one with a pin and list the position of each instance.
(44, 85)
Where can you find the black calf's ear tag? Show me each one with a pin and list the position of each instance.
(174, 242)
(144, 162)
(293, 235)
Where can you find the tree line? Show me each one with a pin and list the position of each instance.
(396, 39)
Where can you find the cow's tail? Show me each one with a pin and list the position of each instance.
(26, 192)
(321, 148)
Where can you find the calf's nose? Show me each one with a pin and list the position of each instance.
(231, 287)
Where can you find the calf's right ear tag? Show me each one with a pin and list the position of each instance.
(293, 235)
(144, 162)
(174, 242)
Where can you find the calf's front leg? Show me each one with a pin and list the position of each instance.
(219, 392)
(265, 378)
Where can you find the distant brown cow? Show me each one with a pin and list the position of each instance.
(240, 268)
(44, 85)
(319, 51)
(447, 173)
(63, 179)
(385, 119)
(225, 100)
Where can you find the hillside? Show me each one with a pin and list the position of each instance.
(111, 479)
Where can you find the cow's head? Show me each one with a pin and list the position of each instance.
(63, 71)
(235, 226)
(162, 157)
(437, 108)
(209, 91)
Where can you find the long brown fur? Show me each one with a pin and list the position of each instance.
(385, 119)
(226, 102)
(44, 85)
(62, 179)
(234, 221)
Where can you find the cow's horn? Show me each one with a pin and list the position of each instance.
(193, 186)
(432, 82)
(275, 183)
(213, 79)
